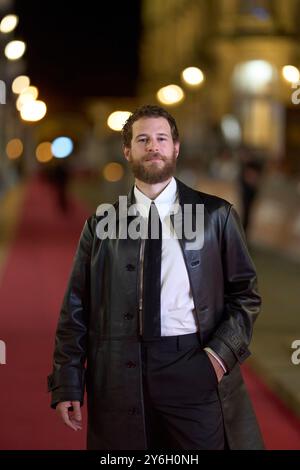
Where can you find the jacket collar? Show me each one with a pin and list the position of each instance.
(188, 199)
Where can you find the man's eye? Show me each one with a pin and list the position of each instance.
(142, 139)
(162, 138)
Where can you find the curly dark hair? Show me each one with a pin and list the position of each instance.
(148, 111)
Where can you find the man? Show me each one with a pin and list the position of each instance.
(160, 324)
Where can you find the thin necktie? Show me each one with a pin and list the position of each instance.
(152, 275)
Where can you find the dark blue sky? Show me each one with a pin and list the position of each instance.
(81, 49)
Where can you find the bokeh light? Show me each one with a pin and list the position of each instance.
(254, 76)
(43, 152)
(117, 119)
(14, 50)
(29, 94)
(170, 94)
(290, 73)
(192, 76)
(20, 84)
(62, 147)
(113, 172)
(14, 149)
(231, 129)
(8, 23)
(33, 110)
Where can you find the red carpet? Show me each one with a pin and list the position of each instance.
(31, 292)
(280, 428)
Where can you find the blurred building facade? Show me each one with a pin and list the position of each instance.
(241, 46)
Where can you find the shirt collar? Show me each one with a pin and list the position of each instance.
(163, 201)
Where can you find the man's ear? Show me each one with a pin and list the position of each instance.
(177, 147)
(126, 151)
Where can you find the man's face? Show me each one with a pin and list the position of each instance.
(152, 155)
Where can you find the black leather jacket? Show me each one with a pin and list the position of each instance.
(98, 329)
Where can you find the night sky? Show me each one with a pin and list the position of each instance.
(77, 50)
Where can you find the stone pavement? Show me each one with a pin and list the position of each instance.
(278, 325)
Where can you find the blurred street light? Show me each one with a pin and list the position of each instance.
(43, 152)
(290, 73)
(193, 76)
(20, 83)
(254, 76)
(8, 23)
(113, 172)
(62, 147)
(33, 111)
(117, 119)
(29, 94)
(14, 50)
(231, 129)
(14, 149)
(170, 94)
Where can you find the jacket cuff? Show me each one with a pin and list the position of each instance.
(224, 352)
(229, 347)
(64, 390)
(70, 378)
(233, 341)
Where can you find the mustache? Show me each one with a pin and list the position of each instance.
(150, 156)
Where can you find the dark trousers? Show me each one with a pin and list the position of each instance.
(182, 406)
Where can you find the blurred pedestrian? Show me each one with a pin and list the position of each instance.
(250, 176)
(60, 179)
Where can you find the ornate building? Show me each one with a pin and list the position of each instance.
(241, 46)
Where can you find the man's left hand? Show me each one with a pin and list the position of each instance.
(218, 369)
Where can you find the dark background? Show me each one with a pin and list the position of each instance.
(80, 50)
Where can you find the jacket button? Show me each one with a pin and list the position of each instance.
(132, 411)
(128, 316)
(130, 364)
(130, 267)
(195, 263)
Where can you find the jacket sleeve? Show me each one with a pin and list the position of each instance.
(241, 298)
(67, 379)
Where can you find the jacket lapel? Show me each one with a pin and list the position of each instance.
(196, 259)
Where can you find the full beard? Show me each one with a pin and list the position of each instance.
(154, 173)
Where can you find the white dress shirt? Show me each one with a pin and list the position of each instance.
(177, 306)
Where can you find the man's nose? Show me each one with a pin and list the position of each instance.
(152, 145)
